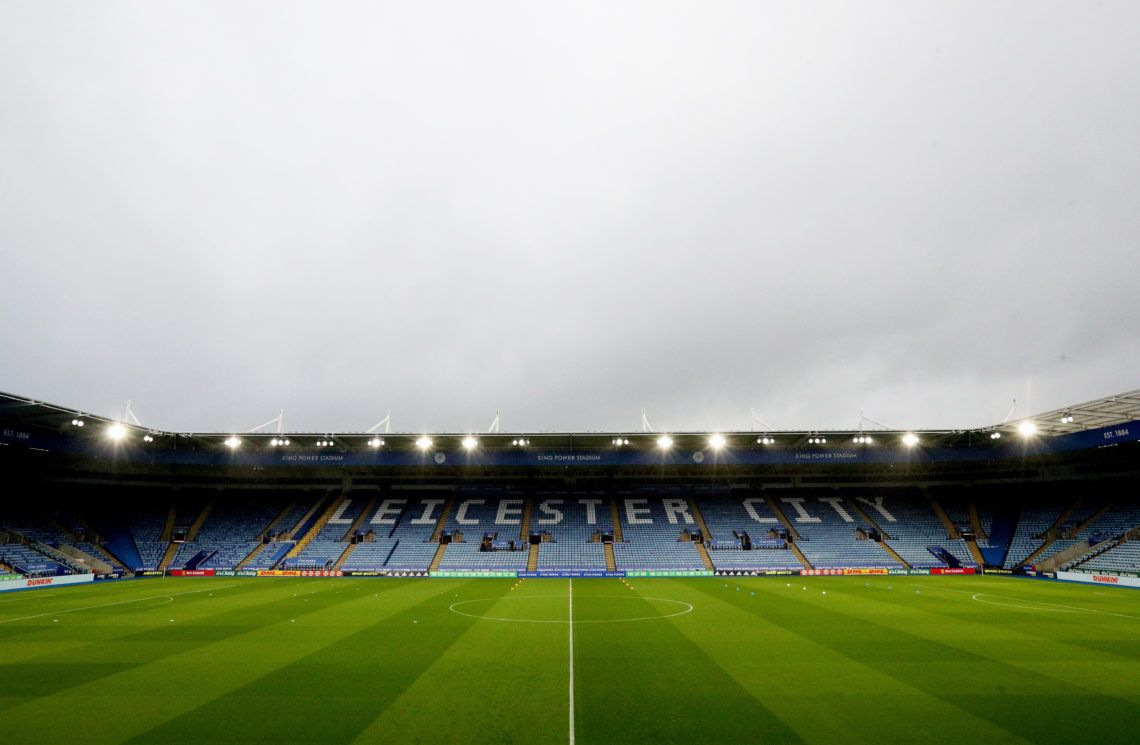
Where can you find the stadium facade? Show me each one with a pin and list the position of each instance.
(88, 497)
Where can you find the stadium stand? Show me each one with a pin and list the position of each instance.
(485, 533)
(744, 533)
(411, 530)
(652, 529)
(832, 533)
(660, 528)
(915, 533)
(570, 527)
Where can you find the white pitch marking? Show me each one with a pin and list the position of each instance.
(26, 595)
(688, 608)
(169, 597)
(571, 596)
(1053, 607)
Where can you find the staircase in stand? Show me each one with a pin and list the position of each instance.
(1091, 519)
(268, 529)
(528, 511)
(1050, 535)
(951, 529)
(616, 519)
(344, 556)
(315, 528)
(532, 558)
(975, 552)
(306, 517)
(168, 526)
(442, 522)
(192, 533)
(894, 554)
(793, 534)
(611, 561)
(362, 518)
(704, 554)
(784, 519)
(168, 556)
(799, 554)
(866, 517)
(976, 522)
(107, 556)
(251, 556)
(706, 534)
(438, 558)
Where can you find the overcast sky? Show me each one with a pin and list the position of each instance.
(569, 211)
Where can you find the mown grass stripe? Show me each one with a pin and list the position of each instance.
(823, 694)
(328, 695)
(183, 680)
(499, 682)
(647, 682)
(982, 686)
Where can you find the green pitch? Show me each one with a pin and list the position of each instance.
(847, 660)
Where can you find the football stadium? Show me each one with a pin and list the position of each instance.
(610, 282)
(774, 586)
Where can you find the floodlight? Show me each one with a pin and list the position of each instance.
(232, 442)
(995, 435)
(910, 439)
(470, 443)
(717, 441)
(664, 442)
(765, 441)
(424, 442)
(148, 438)
(522, 442)
(1066, 418)
(375, 442)
(1027, 428)
(116, 432)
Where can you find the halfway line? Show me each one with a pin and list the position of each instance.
(571, 596)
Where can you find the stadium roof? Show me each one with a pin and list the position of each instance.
(1101, 412)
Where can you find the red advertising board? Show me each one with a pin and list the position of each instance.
(953, 570)
(191, 572)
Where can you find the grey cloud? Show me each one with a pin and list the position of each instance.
(219, 210)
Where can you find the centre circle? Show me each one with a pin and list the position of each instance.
(555, 609)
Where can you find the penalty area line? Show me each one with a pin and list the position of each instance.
(1038, 605)
(170, 595)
